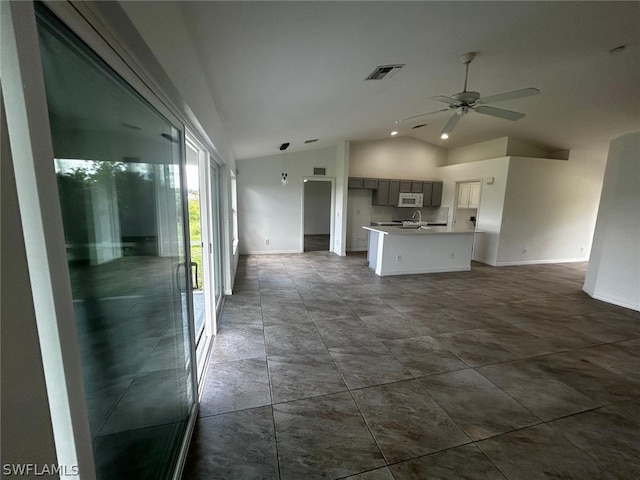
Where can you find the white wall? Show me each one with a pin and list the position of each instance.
(339, 246)
(27, 435)
(550, 210)
(614, 267)
(399, 157)
(317, 208)
(489, 218)
(478, 151)
(269, 211)
(359, 215)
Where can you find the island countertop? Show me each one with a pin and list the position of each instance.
(413, 230)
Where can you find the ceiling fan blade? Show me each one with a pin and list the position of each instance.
(501, 97)
(451, 124)
(443, 99)
(499, 112)
(422, 115)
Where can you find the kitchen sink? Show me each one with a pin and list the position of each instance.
(413, 227)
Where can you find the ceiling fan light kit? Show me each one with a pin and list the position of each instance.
(463, 102)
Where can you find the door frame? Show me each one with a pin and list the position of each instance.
(305, 180)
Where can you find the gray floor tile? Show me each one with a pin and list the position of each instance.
(477, 405)
(235, 386)
(460, 463)
(234, 445)
(293, 338)
(588, 378)
(538, 391)
(377, 474)
(608, 438)
(392, 326)
(364, 366)
(424, 356)
(345, 331)
(405, 420)
(323, 437)
(238, 342)
(541, 453)
(303, 375)
(604, 326)
(474, 348)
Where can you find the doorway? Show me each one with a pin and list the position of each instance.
(204, 240)
(317, 227)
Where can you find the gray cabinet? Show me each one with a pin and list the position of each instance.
(394, 192)
(370, 183)
(427, 191)
(405, 186)
(355, 182)
(381, 194)
(416, 186)
(436, 194)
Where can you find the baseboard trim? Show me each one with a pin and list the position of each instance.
(539, 262)
(613, 301)
(269, 252)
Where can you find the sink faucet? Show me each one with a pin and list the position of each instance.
(419, 216)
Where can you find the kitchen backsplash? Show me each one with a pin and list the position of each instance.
(429, 214)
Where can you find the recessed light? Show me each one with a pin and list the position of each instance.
(444, 136)
(394, 133)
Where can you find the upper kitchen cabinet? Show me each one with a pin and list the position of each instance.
(370, 183)
(405, 186)
(367, 183)
(381, 195)
(427, 191)
(436, 194)
(356, 182)
(416, 186)
(469, 195)
(394, 192)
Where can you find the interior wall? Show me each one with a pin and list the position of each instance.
(495, 148)
(550, 209)
(359, 215)
(27, 434)
(492, 199)
(398, 157)
(613, 274)
(269, 214)
(317, 208)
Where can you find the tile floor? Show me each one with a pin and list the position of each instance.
(323, 370)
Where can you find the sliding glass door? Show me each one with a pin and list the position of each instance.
(120, 181)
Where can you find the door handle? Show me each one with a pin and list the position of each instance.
(194, 278)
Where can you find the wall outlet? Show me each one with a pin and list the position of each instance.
(398, 258)
(581, 249)
(452, 256)
(266, 241)
(524, 251)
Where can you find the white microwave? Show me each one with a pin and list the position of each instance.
(414, 200)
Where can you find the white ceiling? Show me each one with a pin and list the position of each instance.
(293, 71)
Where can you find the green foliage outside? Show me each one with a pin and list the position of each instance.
(195, 235)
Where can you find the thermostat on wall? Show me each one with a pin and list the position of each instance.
(488, 180)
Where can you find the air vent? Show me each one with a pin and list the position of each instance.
(419, 126)
(384, 71)
(319, 171)
(313, 140)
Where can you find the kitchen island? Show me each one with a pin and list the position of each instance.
(401, 250)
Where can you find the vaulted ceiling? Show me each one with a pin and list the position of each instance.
(295, 71)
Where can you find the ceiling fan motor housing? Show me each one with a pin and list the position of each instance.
(466, 98)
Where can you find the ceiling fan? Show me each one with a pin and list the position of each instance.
(461, 103)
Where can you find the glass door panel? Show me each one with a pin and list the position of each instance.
(215, 235)
(197, 232)
(118, 165)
